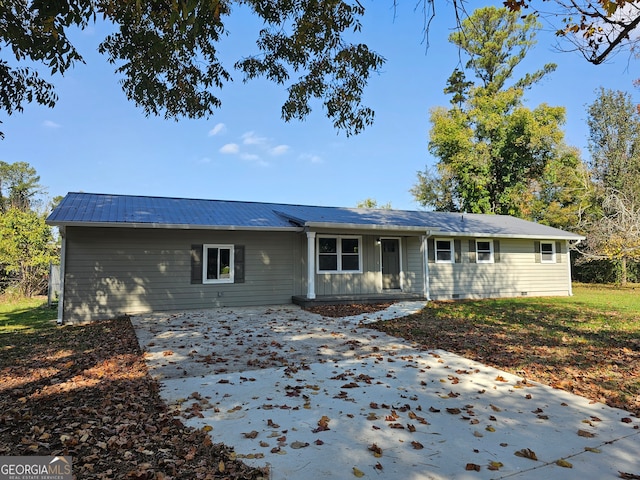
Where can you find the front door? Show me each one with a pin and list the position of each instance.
(390, 263)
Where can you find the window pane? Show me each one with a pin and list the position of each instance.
(444, 256)
(212, 263)
(484, 256)
(328, 262)
(225, 263)
(443, 245)
(546, 247)
(327, 245)
(483, 247)
(350, 262)
(349, 245)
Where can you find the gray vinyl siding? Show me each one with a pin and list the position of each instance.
(516, 274)
(413, 274)
(112, 271)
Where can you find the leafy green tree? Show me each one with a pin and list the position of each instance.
(373, 203)
(26, 249)
(494, 154)
(167, 53)
(167, 50)
(613, 231)
(19, 186)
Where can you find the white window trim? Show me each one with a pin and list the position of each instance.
(491, 258)
(451, 250)
(205, 261)
(553, 252)
(339, 239)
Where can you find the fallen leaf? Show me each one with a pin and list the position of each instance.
(251, 434)
(377, 451)
(357, 472)
(417, 445)
(586, 434)
(297, 445)
(527, 453)
(495, 465)
(472, 466)
(563, 463)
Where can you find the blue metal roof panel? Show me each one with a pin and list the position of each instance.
(88, 208)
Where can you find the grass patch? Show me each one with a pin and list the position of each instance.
(588, 344)
(26, 314)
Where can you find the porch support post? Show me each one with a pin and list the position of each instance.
(311, 265)
(425, 260)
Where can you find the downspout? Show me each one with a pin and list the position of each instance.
(425, 249)
(63, 255)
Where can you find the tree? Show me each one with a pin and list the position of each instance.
(27, 248)
(495, 155)
(18, 186)
(613, 231)
(372, 203)
(595, 28)
(167, 50)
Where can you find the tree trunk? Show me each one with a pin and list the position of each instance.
(623, 271)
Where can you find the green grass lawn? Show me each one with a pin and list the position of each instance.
(26, 314)
(588, 343)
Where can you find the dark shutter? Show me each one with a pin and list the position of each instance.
(196, 263)
(238, 264)
(496, 251)
(536, 249)
(431, 250)
(457, 247)
(558, 252)
(472, 250)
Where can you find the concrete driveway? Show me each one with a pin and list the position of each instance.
(317, 397)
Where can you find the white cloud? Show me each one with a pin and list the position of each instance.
(230, 149)
(308, 157)
(218, 128)
(249, 156)
(279, 150)
(50, 124)
(250, 138)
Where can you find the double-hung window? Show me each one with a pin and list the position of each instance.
(217, 264)
(484, 251)
(339, 254)
(547, 252)
(444, 250)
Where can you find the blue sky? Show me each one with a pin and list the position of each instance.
(96, 141)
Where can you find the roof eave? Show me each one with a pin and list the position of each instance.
(177, 226)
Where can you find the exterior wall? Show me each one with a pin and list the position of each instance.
(115, 271)
(516, 274)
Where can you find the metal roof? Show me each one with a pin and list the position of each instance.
(89, 209)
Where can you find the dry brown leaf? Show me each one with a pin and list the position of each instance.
(586, 434)
(561, 462)
(526, 453)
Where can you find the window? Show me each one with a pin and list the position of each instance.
(484, 251)
(217, 264)
(444, 251)
(547, 252)
(339, 254)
